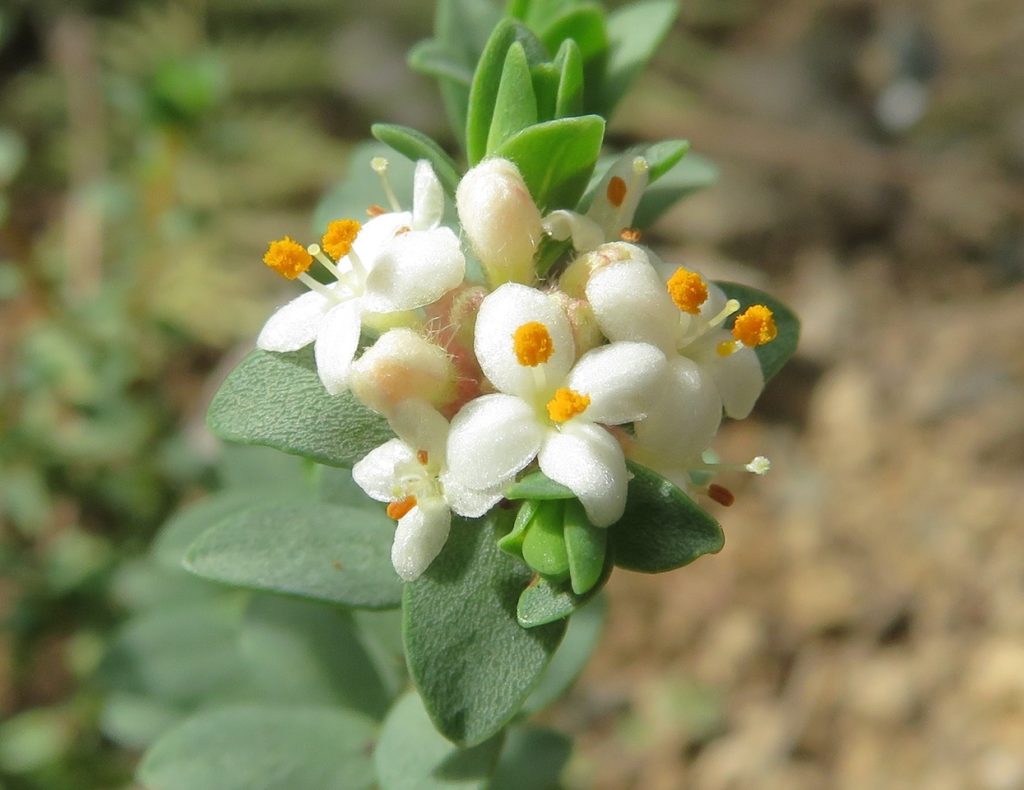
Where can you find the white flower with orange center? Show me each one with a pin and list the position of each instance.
(711, 369)
(409, 474)
(397, 261)
(547, 407)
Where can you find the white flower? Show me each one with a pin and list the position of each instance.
(409, 474)
(396, 261)
(710, 369)
(403, 365)
(547, 408)
(610, 214)
(501, 221)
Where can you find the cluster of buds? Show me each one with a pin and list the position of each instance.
(616, 356)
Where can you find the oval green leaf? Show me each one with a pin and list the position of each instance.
(515, 105)
(470, 659)
(278, 400)
(662, 527)
(313, 550)
(634, 33)
(261, 747)
(415, 145)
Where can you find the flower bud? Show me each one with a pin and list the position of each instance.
(577, 274)
(501, 220)
(400, 366)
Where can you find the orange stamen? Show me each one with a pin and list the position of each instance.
(688, 290)
(567, 404)
(755, 326)
(422, 456)
(721, 494)
(340, 235)
(375, 210)
(400, 507)
(287, 257)
(632, 235)
(532, 344)
(616, 191)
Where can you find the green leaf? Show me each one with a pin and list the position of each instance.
(533, 757)
(415, 145)
(634, 32)
(483, 94)
(545, 78)
(411, 755)
(544, 544)
(336, 487)
(538, 485)
(134, 721)
(434, 59)
(538, 13)
(547, 601)
(250, 466)
(556, 158)
(569, 99)
(585, 25)
(581, 640)
(278, 400)
(585, 546)
(184, 527)
(467, 654)
(262, 747)
(662, 527)
(301, 652)
(181, 655)
(773, 355)
(662, 157)
(313, 550)
(690, 175)
(515, 105)
(361, 186)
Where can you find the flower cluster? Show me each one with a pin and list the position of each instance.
(619, 356)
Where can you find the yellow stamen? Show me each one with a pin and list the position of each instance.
(532, 344)
(375, 210)
(688, 290)
(400, 507)
(755, 326)
(422, 456)
(632, 235)
(337, 241)
(566, 404)
(287, 257)
(616, 191)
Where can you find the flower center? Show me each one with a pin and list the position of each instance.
(532, 344)
(616, 191)
(400, 507)
(567, 404)
(755, 326)
(340, 235)
(287, 257)
(688, 290)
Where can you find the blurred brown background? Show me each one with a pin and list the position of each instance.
(863, 627)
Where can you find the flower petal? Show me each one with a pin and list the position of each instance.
(414, 269)
(469, 502)
(419, 537)
(375, 473)
(402, 364)
(615, 204)
(501, 314)
(491, 439)
(422, 428)
(336, 344)
(586, 234)
(621, 379)
(586, 459)
(738, 376)
(295, 325)
(683, 421)
(427, 198)
(376, 233)
(630, 302)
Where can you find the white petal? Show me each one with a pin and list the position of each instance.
(427, 198)
(632, 171)
(738, 376)
(402, 364)
(491, 439)
(682, 422)
(586, 459)
(631, 303)
(586, 234)
(336, 344)
(621, 379)
(501, 314)
(376, 233)
(375, 473)
(295, 325)
(414, 269)
(469, 502)
(715, 302)
(419, 537)
(421, 427)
